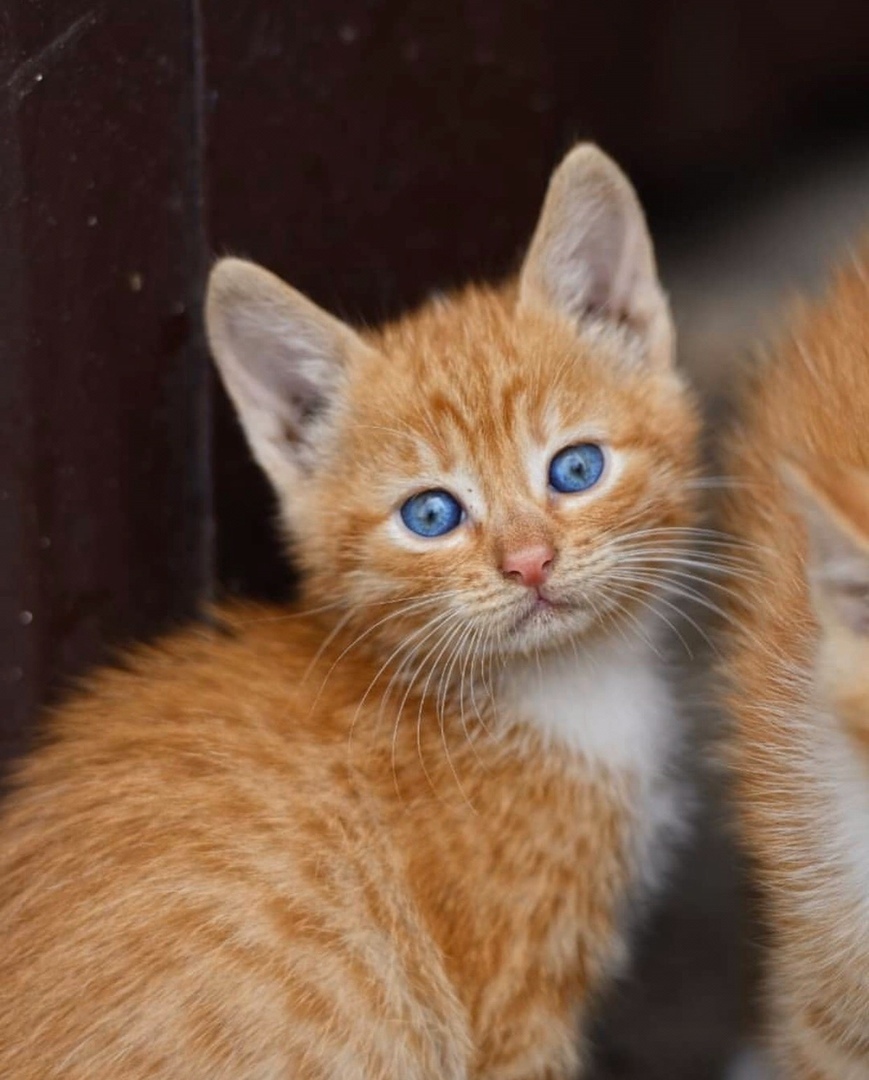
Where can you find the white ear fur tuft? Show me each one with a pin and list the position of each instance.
(282, 361)
(838, 556)
(591, 254)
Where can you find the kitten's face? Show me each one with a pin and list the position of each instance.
(463, 423)
(835, 505)
(499, 472)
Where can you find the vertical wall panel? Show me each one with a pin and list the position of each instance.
(105, 488)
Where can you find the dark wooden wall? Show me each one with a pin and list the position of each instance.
(105, 488)
(366, 150)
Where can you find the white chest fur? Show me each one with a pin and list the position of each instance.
(613, 706)
(611, 703)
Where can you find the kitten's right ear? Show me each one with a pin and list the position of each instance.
(833, 501)
(591, 254)
(282, 361)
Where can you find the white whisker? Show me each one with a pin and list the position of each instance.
(412, 606)
(636, 594)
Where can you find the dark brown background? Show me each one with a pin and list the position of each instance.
(366, 150)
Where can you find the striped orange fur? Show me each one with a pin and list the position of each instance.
(797, 670)
(397, 831)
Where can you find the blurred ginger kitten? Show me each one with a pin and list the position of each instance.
(797, 667)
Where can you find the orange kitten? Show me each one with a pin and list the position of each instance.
(398, 832)
(798, 675)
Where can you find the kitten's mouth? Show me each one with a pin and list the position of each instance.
(540, 610)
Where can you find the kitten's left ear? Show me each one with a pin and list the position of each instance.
(834, 503)
(591, 255)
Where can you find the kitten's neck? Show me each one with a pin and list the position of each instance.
(607, 699)
(604, 695)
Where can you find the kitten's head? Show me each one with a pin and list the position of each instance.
(496, 470)
(834, 502)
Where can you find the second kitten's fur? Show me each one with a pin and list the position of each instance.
(397, 831)
(797, 667)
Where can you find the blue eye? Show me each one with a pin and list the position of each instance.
(431, 513)
(576, 468)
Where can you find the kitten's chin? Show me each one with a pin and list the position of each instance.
(547, 624)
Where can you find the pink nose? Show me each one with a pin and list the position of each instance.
(530, 566)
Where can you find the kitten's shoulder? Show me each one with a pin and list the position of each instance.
(241, 646)
(242, 672)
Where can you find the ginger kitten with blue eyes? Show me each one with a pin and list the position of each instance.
(397, 831)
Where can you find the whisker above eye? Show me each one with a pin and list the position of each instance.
(406, 433)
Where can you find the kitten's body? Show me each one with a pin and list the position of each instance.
(798, 674)
(399, 835)
(313, 895)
